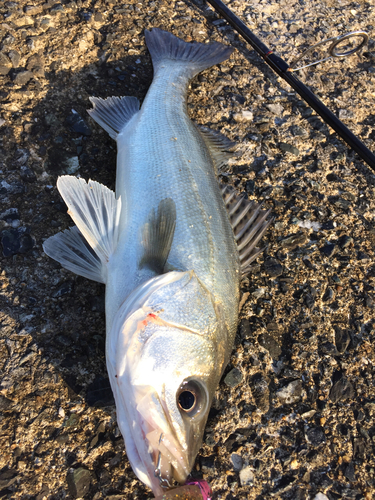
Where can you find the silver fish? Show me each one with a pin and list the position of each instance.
(165, 248)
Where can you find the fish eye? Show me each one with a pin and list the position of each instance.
(192, 398)
(186, 400)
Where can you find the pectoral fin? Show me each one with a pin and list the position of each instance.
(157, 236)
(96, 212)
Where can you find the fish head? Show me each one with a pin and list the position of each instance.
(166, 353)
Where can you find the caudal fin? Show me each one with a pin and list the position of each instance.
(164, 46)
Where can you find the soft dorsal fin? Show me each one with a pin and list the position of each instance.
(157, 236)
(249, 224)
(113, 113)
(220, 147)
(96, 212)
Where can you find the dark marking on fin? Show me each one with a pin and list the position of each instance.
(249, 223)
(157, 236)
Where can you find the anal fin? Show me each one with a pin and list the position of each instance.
(113, 113)
(249, 223)
(157, 236)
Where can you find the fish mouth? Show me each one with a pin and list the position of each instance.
(169, 457)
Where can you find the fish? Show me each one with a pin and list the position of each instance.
(170, 245)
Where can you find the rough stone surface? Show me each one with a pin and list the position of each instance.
(321, 496)
(79, 481)
(311, 321)
(246, 476)
(22, 77)
(234, 378)
(290, 393)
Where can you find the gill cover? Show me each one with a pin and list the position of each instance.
(165, 357)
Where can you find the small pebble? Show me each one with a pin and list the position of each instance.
(79, 481)
(273, 268)
(290, 393)
(259, 292)
(246, 476)
(260, 391)
(276, 109)
(328, 294)
(328, 250)
(270, 342)
(293, 241)
(341, 390)
(5, 64)
(233, 378)
(288, 148)
(244, 116)
(315, 436)
(236, 461)
(350, 472)
(23, 77)
(320, 496)
(77, 124)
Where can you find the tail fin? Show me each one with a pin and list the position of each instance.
(197, 56)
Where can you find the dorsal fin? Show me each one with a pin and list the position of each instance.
(220, 147)
(249, 224)
(157, 236)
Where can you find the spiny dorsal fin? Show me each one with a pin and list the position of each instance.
(113, 113)
(249, 224)
(220, 147)
(96, 212)
(157, 236)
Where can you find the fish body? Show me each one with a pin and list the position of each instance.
(164, 246)
(161, 154)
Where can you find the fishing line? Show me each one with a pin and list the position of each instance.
(286, 72)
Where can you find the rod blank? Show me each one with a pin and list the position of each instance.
(282, 69)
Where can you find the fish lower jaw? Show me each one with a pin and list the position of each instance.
(170, 463)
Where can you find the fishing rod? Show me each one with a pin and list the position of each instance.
(286, 72)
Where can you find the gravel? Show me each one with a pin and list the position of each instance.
(293, 417)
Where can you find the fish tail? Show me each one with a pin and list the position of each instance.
(164, 46)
